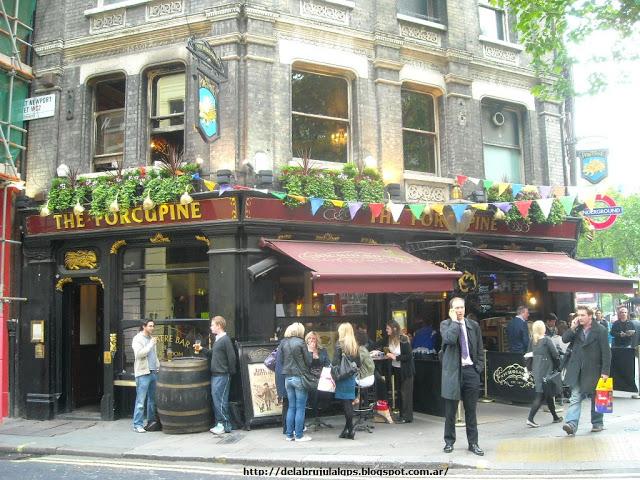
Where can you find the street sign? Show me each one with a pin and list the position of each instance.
(605, 214)
(39, 107)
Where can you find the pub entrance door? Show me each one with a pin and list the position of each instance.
(82, 309)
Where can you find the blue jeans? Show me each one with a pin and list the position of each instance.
(145, 393)
(575, 406)
(220, 395)
(297, 396)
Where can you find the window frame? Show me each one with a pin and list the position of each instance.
(505, 22)
(152, 75)
(94, 82)
(349, 121)
(520, 116)
(431, 20)
(435, 133)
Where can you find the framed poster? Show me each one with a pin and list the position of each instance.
(400, 316)
(261, 405)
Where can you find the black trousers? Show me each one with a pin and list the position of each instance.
(405, 387)
(469, 391)
(537, 403)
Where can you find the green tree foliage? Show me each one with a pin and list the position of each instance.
(546, 28)
(621, 241)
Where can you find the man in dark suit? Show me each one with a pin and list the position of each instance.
(462, 367)
(518, 331)
(590, 360)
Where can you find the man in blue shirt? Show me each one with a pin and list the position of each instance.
(518, 331)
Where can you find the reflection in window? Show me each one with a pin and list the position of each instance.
(320, 116)
(167, 114)
(492, 23)
(431, 10)
(419, 137)
(109, 102)
(502, 142)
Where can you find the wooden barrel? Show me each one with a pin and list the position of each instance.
(183, 396)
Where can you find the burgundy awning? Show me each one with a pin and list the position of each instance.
(362, 268)
(563, 273)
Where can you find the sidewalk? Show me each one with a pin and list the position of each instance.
(509, 445)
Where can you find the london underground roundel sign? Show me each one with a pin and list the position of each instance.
(604, 213)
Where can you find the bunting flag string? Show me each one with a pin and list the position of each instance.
(417, 209)
(376, 209)
(523, 207)
(396, 210)
(458, 210)
(316, 203)
(353, 208)
(545, 205)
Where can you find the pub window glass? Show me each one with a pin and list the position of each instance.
(430, 10)
(502, 142)
(167, 101)
(320, 116)
(419, 132)
(493, 22)
(108, 122)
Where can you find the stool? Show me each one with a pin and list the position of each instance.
(364, 409)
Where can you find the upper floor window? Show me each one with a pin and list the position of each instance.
(108, 122)
(493, 22)
(419, 132)
(502, 142)
(167, 113)
(320, 124)
(430, 10)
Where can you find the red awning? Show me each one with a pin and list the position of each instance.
(563, 273)
(362, 268)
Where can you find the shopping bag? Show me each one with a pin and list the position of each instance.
(326, 383)
(604, 396)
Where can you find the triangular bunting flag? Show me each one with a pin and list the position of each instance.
(516, 188)
(316, 203)
(417, 209)
(299, 198)
(262, 190)
(461, 179)
(389, 205)
(502, 187)
(396, 211)
(225, 187)
(558, 191)
(279, 195)
(544, 190)
(376, 209)
(530, 188)
(337, 203)
(590, 201)
(567, 203)
(458, 210)
(480, 206)
(437, 207)
(487, 184)
(353, 208)
(545, 205)
(473, 180)
(572, 190)
(523, 207)
(211, 186)
(504, 206)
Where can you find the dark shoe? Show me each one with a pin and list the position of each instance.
(570, 429)
(351, 434)
(153, 426)
(475, 449)
(597, 428)
(448, 448)
(344, 433)
(557, 419)
(401, 420)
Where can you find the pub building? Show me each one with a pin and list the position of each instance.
(263, 265)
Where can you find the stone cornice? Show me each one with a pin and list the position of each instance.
(387, 40)
(387, 64)
(259, 40)
(459, 79)
(49, 48)
(222, 13)
(261, 14)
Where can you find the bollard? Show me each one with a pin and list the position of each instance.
(459, 416)
(485, 398)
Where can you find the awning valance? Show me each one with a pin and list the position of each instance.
(563, 273)
(363, 268)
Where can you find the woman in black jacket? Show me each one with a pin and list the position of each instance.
(545, 360)
(402, 368)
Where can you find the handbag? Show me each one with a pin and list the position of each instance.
(270, 361)
(326, 383)
(345, 369)
(309, 380)
(552, 384)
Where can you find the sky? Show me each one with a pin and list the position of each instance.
(611, 118)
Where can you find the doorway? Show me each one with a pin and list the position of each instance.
(83, 322)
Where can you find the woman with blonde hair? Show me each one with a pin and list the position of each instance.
(346, 388)
(545, 360)
(296, 360)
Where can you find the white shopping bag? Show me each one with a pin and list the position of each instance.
(326, 383)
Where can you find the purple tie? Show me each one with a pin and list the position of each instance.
(463, 342)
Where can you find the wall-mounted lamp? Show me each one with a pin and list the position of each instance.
(370, 162)
(224, 177)
(63, 170)
(533, 301)
(199, 160)
(264, 179)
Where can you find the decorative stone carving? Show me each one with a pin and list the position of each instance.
(81, 260)
(327, 237)
(49, 48)
(108, 21)
(500, 54)
(159, 238)
(116, 246)
(37, 254)
(420, 34)
(204, 239)
(324, 12)
(421, 192)
(98, 280)
(165, 9)
(62, 282)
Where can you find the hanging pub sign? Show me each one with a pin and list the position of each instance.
(593, 165)
(208, 71)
